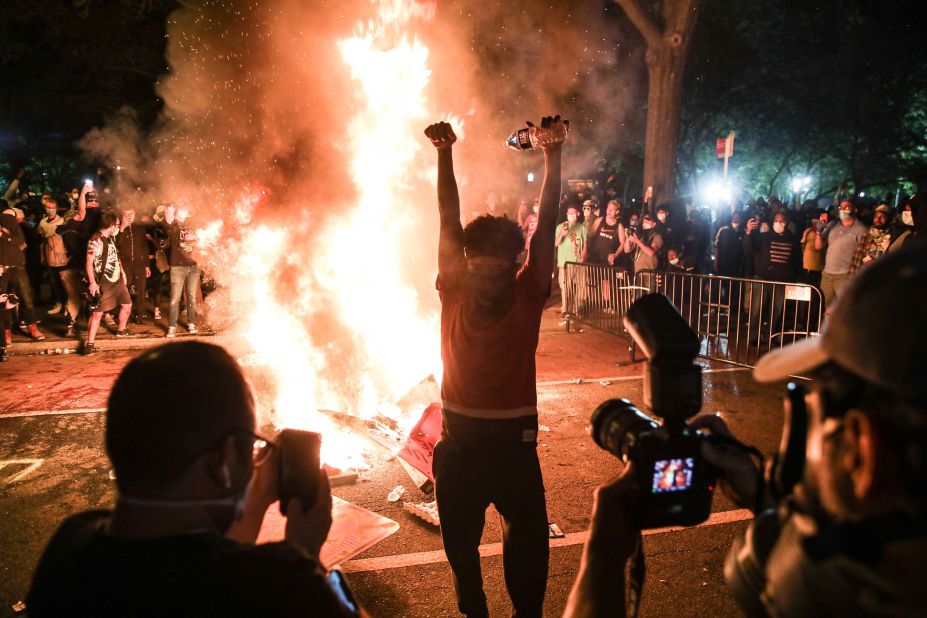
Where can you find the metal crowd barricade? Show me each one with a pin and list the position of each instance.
(739, 320)
(599, 295)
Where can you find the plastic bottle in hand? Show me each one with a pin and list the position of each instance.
(535, 137)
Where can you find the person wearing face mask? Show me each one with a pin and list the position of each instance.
(570, 241)
(644, 247)
(729, 248)
(839, 241)
(907, 224)
(191, 494)
(840, 525)
(490, 319)
(874, 244)
(47, 227)
(777, 257)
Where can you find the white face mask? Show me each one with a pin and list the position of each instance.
(237, 502)
(845, 215)
(662, 217)
(907, 217)
(571, 218)
(779, 227)
(648, 225)
(674, 261)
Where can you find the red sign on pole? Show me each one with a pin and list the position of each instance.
(721, 147)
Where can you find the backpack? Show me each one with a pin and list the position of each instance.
(54, 252)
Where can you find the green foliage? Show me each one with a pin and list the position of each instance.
(835, 91)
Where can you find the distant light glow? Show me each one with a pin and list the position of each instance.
(530, 176)
(718, 192)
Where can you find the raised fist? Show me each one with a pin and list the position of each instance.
(441, 135)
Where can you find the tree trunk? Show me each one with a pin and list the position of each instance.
(666, 65)
(668, 37)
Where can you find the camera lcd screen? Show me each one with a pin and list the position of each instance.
(672, 475)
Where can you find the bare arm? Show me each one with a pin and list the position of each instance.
(450, 238)
(541, 251)
(82, 201)
(600, 584)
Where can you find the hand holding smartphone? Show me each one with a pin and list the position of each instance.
(300, 467)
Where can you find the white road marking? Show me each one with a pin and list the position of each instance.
(31, 466)
(495, 549)
(51, 412)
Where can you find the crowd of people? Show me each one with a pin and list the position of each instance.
(88, 263)
(845, 536)
(760, 240)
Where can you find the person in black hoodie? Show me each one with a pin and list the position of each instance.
(777, 257)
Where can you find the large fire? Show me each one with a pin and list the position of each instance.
(357, 264)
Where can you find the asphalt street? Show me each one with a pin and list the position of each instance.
(52, 464)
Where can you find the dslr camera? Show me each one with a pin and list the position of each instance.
(673, 484)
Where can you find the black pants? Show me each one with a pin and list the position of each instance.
(19, 283)
(469, 476)
(136, 283)
(767, 302)
(5, 288)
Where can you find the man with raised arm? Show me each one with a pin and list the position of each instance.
(490, 318)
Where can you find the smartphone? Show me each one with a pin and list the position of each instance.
(300, 467)
(340, 585)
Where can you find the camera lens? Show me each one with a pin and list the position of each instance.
(617, 426)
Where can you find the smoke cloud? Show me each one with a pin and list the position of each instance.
(256, 131)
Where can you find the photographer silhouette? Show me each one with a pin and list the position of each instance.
(840, 525)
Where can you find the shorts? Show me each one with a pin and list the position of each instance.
(113, 294)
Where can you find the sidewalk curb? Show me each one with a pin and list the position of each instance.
(108, 344)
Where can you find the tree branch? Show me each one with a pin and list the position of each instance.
(642, 21)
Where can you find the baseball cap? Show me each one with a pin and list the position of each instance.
(862, 334)
(883, 208)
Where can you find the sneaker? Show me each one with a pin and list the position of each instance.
(171, 331)
(35, 333)
(3, 355)
(122, 333)
(56, 309)
(89, 349)
(70, 331)
(191, 328)
(157, 314)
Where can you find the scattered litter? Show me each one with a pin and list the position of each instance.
(663, 581)
(704, 584)
(554, 531)
(543, 428)
(606, 382)
(396, 493)
(112, 475)
(18, 606)
(424, 510)
(578, 381)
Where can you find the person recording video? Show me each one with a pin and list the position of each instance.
(840, 525)
(193, 482)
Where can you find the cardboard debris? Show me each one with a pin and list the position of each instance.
(418, 449)
(396, 493)
(424, 510)
(554, 531)
(354, 530)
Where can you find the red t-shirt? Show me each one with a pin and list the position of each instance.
(489, 372)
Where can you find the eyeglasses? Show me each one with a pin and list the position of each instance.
(261, 450)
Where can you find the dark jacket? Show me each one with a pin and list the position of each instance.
(777, 256)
